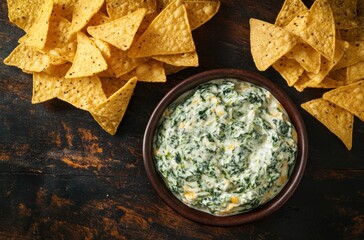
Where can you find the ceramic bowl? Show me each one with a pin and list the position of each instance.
(242, 218)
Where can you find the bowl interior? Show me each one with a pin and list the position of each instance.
(257, 213)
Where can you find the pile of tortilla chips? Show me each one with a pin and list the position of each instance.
(318, 47)
(92, 53)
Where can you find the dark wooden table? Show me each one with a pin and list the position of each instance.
(63, 177)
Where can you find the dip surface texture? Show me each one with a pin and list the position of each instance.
(225, 147)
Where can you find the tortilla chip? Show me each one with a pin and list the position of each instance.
(110, 113)
(119, 8)
(298, 24)
(83, 11)
(170, 69)
(104, 47)
(88, 60)
(344, 13)
(150, 71)
(326, 65)
(37, 34)
(337, 120)
(110, 85)
(355, 72)
(269, 43)
(330, 83)
(350, 97)
(289, 11)
(64, 8)
(84, 93)
(98, 19)
(320, 29)
(28, 59)
(169, 33)
(338, 74)
(61, 43)
(199, 12)
(119, 32)
(183, 59)
(353, 55)
(289, 69)
(306, 56)
(120, 63)
(23, 13)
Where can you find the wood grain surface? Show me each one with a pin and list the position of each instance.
(63, 177)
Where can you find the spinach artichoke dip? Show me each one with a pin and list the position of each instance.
(225, 147)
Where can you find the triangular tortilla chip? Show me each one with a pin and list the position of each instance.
(37, 34)
(84, 93)
(350, 97)
(83, 10)
(306, 56)
(110, 113)
(289, 69)
(337, 120)
(110, 85)
(169, 33)
(150, 71)
(189, 59)
(88, 60)
(289, 11)
(320, 29)
(23, 13)
(355, 72)
(119, 32)
(119, 8)
(28, 59)
(326, 66)
(199, 12)
(120, 63)
(269, 43)
(61, 43)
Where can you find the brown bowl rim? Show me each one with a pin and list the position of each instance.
(242, 218)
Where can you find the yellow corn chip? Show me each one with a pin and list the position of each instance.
(28, 59)
(111, 85)
(337, 120)
(119, 32)
(269, 43)
(98, 19)
(150, 71)
(170, 69)
(61, 43)
(88, 59)
(298, 24)
(64, 8)
(110, 113)
(199, 12)
(355, 72)
(326, 66)
(120, 63)
(23, 13)
(330, 83)
(83, 11)
(344, 13)
(320, 29)
(289, 69)
(353, 55)
(289, 11)
(306, 56)
(350, 97)
(119, 8)
(104, 47)
(338, 74)
(169, 33)
(183, 59)
(84, 93)
(37, 34)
